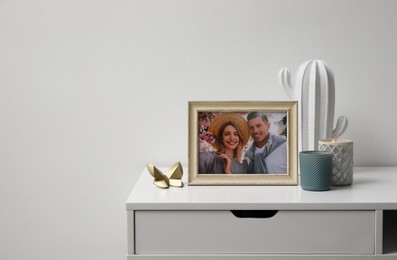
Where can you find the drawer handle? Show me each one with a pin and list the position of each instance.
(254, 213)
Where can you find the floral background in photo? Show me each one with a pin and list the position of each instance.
(278, 126)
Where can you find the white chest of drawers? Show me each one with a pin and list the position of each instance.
(265, 222)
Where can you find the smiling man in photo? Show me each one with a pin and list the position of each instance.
(268, 153)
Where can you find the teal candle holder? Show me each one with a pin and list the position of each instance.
(315, 170)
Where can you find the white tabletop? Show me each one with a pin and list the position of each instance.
(372, 188)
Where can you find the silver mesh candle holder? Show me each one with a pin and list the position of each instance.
(342, 166)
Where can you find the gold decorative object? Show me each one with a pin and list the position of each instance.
(173, 177)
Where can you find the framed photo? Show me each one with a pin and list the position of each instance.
(243, 143)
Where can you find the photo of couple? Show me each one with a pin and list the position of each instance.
(242, 143)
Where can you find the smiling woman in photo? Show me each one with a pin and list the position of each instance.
(231, 134)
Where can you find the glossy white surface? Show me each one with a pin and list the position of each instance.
(193, 215)
(372, 188)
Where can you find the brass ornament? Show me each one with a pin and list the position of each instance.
(173, 177)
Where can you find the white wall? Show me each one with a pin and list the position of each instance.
(90, 91)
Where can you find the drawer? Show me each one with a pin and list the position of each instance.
(197, 232)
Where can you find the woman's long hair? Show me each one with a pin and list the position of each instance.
(238, 152)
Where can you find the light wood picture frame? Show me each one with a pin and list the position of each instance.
(243, 143)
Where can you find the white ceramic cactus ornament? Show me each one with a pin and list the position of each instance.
(314, 89)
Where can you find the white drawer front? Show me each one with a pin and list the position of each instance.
(334, 232)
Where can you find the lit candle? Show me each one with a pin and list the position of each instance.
(342, 166)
